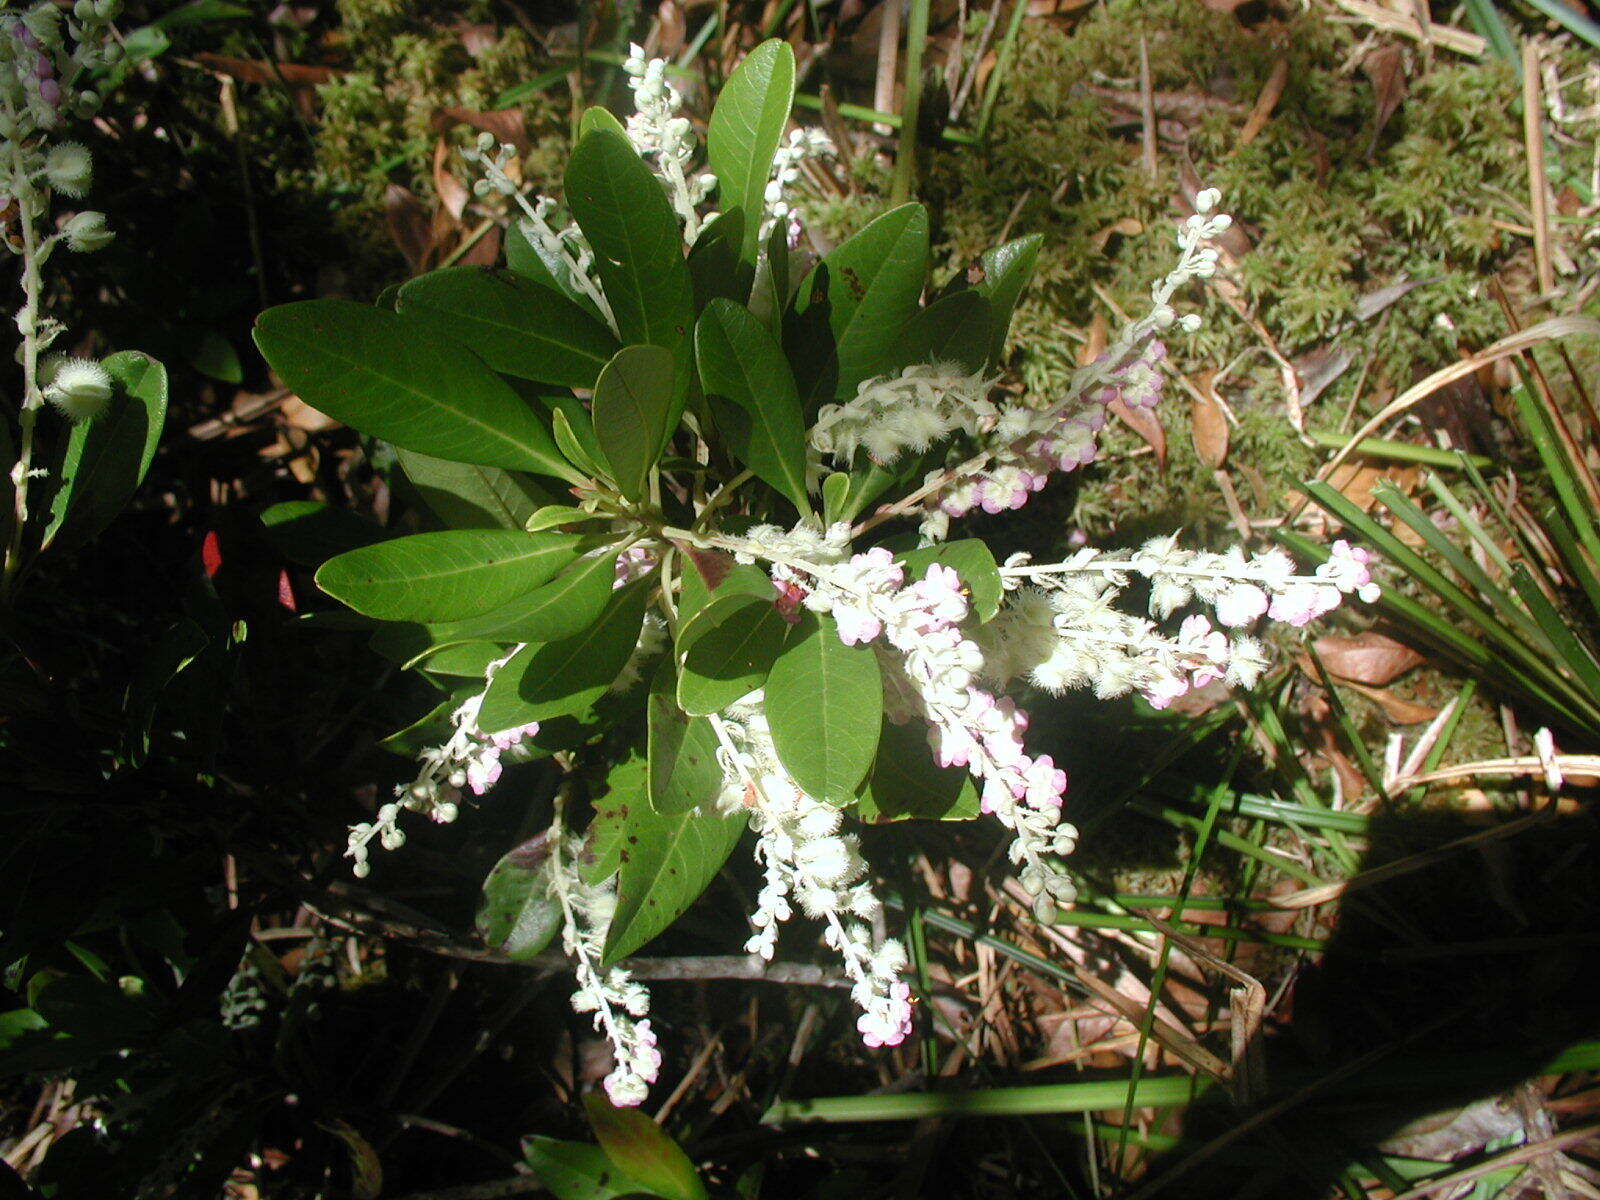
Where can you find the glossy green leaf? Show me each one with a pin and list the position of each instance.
(726, 651)
(470, 496)
(394, 378)
(642, 1150)
(969, 558)
(905, 781)
(619, 205)
(558, 679)
(517, 915)
(871, 285)
(1006, 271)
(517, 327)
(445, 576)
(682, 750)
(574, 1171)
(728, 578)
(573, 428)
(745, 129)
(664, 861)
(953, 329)
(596, 118)
(740, 362)
(460, 660)
(106, 458)
(634, 401)
(562, 608)
(715, 269)
(824, 703)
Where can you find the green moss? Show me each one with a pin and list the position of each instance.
(1331, 213)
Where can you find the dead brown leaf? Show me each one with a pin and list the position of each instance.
(1126, 226)
(1368, 658)
(1401, 712)
(507, 124)
(409, 224)
(1144, 423)
(671, 29)
(1266, 102)
(249, 70)
(1208, 423)
(453, 194)
(1386, 68)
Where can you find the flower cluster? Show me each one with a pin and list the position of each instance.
(43, 51)
(807, 859)
(969, 727)
(565, 252)
(243, 1002)
(923, 404)
(1067, 632)
(469, 759)
(1028, 443)
(802, 144)
(620, 1005)
(657, 131)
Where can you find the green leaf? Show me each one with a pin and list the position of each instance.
(953, 329)
(969, 558)
(558, 679)
(824, 703)
(666, 860)
(597, 119)
(562, 608)
(641, 1150)
(539, 266)
(574, 433)
(906, 781)
(634, 401)
(445, 576)
(573, 1171)
(106, 458)
(726, 651)
(620, 206)
(734, 578)
(394, 378)
(743, 134)
(462, 660)
(1006, 271)
(714, 266)
(516, 327)
(740, 361)
(870, 284)
(469, 496)
(517, 915)
(682, 750)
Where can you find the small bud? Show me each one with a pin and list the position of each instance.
(86, 232)
(68, 167)
(1045, 911)
(79, 388)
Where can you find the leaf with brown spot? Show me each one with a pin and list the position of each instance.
(1369, 658)
(453, 194)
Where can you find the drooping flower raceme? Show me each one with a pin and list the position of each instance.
(806, 859)
(620, 1004)
(470, 759)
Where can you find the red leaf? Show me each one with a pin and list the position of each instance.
(286, 592)
(211, 554)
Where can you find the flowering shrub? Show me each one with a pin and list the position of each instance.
(762, 456)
